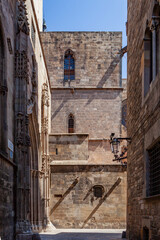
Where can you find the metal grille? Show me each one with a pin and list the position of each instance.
(154, 170)
(69, 66)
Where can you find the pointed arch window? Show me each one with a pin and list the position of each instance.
(147, 60)
(71, 124)
(69, 66)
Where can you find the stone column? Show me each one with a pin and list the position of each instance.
(45, 150)
(22, 139)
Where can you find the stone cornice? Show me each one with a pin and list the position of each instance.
(88, 88)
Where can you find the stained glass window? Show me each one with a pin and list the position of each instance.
(71, 124)
(69, 66)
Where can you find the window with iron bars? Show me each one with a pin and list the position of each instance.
(154, 169)
(69, 66)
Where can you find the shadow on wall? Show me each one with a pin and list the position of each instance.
(90, 96)
(58, 109)
(98, 205)
(64, 195)
(107, 75)
(109, 71)
(102, 200)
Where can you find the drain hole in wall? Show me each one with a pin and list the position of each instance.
(58, 195)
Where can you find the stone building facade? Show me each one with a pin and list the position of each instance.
(143, 218)
(88, 189)
(24, 121)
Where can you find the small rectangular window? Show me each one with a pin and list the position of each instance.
(33, 34)
(154, 170)
(56, 151)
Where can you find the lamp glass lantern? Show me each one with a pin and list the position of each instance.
(115, 146)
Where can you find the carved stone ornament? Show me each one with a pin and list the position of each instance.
(44, 159)
(20, 132)
(3, 90)
(154, 23)
(22, 21)
(32, 100)
(21, 66)
(28, 140)
(45, 96)
(45, 125)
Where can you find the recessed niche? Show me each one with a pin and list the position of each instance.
(98, 191)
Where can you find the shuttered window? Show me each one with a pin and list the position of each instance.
(154, 170)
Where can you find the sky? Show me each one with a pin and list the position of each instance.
(88, 15)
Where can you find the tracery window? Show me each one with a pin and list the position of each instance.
(71, 124)
(69, 66)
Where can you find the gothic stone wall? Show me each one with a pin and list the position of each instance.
(97, 112)
(6, 200)
(97, 61)
(7, 210)
(72, 203)
(95, 96)
(68, 147)
(143, 126)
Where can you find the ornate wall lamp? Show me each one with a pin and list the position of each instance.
(115, 144)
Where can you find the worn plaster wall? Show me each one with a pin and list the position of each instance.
(143, 126)
(73, 204)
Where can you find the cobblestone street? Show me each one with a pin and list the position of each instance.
(85, 234)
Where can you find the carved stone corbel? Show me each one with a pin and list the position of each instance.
(22, 20)
(3, 90)
(154, 23)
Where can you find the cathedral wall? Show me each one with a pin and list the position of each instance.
(96, 111)
(68, 147)
(7, 204)
(97, 62)
(94, 99)
(73, 203)
(7, 42)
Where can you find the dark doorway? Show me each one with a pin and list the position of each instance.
(145, 233)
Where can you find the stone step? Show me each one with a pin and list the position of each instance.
(82, 234)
